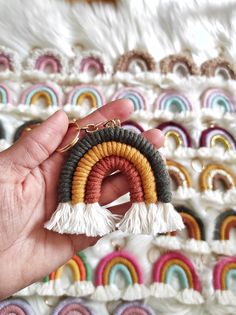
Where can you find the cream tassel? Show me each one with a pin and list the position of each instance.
(98, 221)
(67, 218)
(135, 219)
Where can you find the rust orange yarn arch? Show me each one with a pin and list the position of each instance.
(117, 156)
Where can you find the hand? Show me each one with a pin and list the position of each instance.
(29, 172)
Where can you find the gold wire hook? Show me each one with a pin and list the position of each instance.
(89, 128)
(74, 141)
(116, 243)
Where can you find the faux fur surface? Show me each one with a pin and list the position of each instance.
(203, 28)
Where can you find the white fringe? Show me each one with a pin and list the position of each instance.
(224, 247)
(98, 221)
(135, 292)
(67, 218)
(189, 296)
(28, 291)
(163, 218)
(219, 197)
(168, 242)
(80, 288)
(162, 290)
(224, 297)
(4, 145)
(183, 193)
(135, 220)
(156, 222)
(106, 293)
(51, 288)
(195, 246)
(90, 219)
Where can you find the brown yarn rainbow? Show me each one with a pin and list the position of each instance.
(95, 157)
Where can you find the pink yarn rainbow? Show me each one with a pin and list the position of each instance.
(44, 61)
(102, 267)
(171, 256)
(218, 272)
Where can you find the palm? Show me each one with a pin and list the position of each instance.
(32, 202)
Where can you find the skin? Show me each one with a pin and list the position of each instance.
(28, 196)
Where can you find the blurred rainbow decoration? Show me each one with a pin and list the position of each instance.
(213, 136)
(5, 62)
(93, 158)
(4, 94)
(9, 60)
(45, 91)
(133, 126)
(224, 278)
(84, 92)
(224, 243)
(165, 269)
(135, 61)
(179, 64)
(195, 239)
(173, 101)
(71, 306)
(26, 127)
(218, 67)
(181, 179)
(218, 99)
(209, 178)
(106, 272)
(134, 95)
(135, 308)
(16, 307)
(82, 279)
(91, 63)
(177, 132)
(47, 60)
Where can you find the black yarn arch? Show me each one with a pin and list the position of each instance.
(123, 136)
(219, 221)
(20, 129)
(184, 209)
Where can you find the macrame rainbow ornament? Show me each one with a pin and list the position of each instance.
(72, 306)
(83, 92)
(209, 180)
(224, 243)
(181, 180)
(98, 155)
(4, 94)
(16, 307)
(195, 239)
(173, 101)
(82, 279)
(218, 100)
(45, 91)
(224, 275)
(134, 308)
(164, 270)
(216, 136)
(106, 272)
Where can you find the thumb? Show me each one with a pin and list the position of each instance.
(36, 146)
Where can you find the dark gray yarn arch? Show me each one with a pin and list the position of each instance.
(119, 135)
(220, 219)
